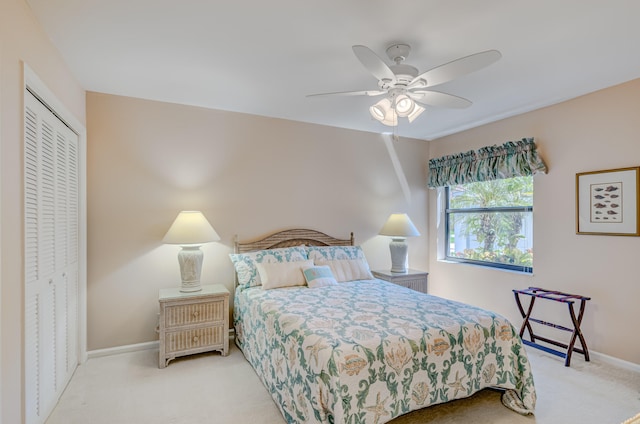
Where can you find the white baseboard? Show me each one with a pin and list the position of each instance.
(132, 348)
(610, 360)
(596, 356)
(122, 349)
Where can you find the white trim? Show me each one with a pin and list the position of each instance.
(122, 349)
(1, 340)
(132, 348)
(397, 167)
(440, 229)
(616, 362)
(32, 81)
(595, 356)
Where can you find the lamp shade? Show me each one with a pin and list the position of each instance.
(399, 225)
(190, 227)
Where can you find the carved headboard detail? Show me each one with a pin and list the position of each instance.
(289, 238)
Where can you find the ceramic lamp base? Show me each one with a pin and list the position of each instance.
(399, 249)
(190, 259)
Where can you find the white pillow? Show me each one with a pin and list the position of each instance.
(348, 269)
(282, 274)
(319, 276)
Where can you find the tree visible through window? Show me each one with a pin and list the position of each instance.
(491, 223)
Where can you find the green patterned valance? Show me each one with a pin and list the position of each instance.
(512, 159)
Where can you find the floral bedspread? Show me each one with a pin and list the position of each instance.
(369, 351)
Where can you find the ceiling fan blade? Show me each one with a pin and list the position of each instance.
(457, 68)
(373, 63)
(351, 93)
(436, 98)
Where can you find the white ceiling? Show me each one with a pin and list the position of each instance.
(264, 57)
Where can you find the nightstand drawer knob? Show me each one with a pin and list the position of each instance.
(196, 314)
(195, 339)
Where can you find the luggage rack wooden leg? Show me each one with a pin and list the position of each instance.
(576, 333)
(527, 316)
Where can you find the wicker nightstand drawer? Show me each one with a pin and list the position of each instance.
(196, 313)
(182, 341)
(193, 322)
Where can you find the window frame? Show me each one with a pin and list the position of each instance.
(495, 265)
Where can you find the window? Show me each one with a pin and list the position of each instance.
(491, 223)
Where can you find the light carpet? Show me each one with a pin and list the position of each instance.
(130, 388)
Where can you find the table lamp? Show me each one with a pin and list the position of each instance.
(190, 230)
(399, 227)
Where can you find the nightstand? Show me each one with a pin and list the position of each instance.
(193, 322)
(413, 279)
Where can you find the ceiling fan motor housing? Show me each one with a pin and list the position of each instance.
(404, 74)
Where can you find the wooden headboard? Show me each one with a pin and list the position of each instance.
(289, 238)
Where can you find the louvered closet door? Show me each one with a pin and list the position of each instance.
(51, 257)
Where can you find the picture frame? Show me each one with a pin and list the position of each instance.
(607, 202)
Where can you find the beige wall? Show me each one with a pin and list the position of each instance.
(21, 39)
(250, 176)
(595, 132)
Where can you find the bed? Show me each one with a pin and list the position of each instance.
(361, 350)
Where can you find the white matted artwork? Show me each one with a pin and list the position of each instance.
(607, 202)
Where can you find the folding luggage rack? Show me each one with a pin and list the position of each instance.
(556, 296)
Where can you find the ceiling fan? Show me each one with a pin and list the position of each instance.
(408, 91)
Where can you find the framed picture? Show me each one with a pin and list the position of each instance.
(607, 202)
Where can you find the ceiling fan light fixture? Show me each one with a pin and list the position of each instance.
(390, 119)
(417, 110)
(380, 110)
(404, 105)
(376, 112)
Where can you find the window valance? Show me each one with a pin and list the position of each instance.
(512, 159)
